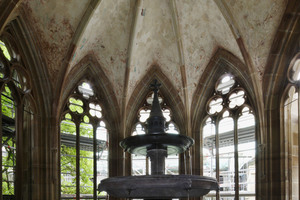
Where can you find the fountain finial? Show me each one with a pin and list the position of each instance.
(156, 121)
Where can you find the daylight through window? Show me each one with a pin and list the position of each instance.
(84, 146)
(228, 136)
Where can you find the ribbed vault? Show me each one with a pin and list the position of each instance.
(128, 36)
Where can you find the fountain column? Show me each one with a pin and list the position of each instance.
(157, 158)
(156, 124)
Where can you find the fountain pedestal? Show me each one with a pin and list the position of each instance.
(157, 158)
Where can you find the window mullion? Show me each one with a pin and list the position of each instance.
(217, 157)
(1, 177)
(298, 140)
(95, 158)
(18, 154)
(77, 161)
(236, 158)
(290, 147)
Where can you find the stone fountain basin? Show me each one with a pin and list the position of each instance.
(140, 144)
(158, 186)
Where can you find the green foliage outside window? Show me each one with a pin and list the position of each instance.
(86, 162)
(86, 172)
(68, 127)
(86, 151)
(76, 105)
(86, 130)
(4, 50)
(68, 170)
(8, 105)
(8, 145)
(68, 162)
(8, 165)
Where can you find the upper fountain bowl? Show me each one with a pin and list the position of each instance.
(140, 144)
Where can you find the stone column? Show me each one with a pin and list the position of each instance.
(157, 157)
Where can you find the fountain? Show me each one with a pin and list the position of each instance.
(157, 144)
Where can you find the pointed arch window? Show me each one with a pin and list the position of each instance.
(290, 106)
(228, 141)
(17, 115)
(140, 164)
(83, 145)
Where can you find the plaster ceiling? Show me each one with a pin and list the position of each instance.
(133, 35)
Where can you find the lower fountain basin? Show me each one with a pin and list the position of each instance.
(158, 186)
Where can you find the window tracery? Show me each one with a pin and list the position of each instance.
(291, 122)
(84, 145)
(17, 118)
(228, 141)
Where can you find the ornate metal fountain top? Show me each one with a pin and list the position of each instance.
(157, 144)
(156, 121)
(156, 137)
(155, 85)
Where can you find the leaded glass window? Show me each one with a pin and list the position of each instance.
(15, 109)
(228, 141)
(291, 129)
(84, 145)
(8, 142)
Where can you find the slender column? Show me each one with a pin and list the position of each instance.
(236, 159)
(95, 149)
(217, 157)
(147, 165)
(59, 160)
(157, 157)
(298, 141)
(1, 149)
(185, 170)
(190, 161)
(19, 145)
(77, 161)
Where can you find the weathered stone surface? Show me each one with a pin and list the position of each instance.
(159, 186)
(127, 37)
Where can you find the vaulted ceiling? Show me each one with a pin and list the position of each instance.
(128, 36)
